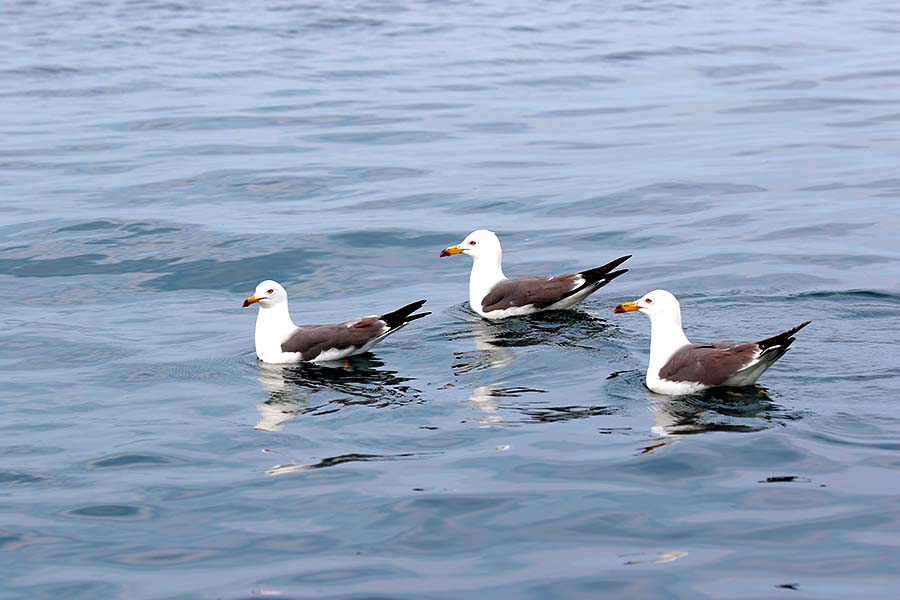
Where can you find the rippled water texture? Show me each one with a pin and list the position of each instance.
(157, 160)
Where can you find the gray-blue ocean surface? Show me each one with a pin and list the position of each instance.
(159, 159)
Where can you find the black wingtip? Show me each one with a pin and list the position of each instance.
(615, 263)
(600, 276)
(615, 274)
(783, 339)
(799, 327)
(599, 272)
(404, 314)
(416, 316)
(790, 332)
(412, 307)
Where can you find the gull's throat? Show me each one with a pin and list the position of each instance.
(486, 273)
(666, 336)
(273, 325)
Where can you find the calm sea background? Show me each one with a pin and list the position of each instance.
(158, 159)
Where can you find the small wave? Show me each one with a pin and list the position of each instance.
(842, 295)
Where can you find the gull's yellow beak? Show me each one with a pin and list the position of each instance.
(626, 307)
(249, 301)
(450, 251)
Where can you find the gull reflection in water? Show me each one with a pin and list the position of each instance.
(487, 399)
(484, 400)
(487, 355)
(741, 410)
(285, 400)
(490, 353)
(494, 342)
(333, 461)
(320, 388)
(658, 558)
(493, 400)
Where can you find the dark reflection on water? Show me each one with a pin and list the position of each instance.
(360, 376)
(737, 410)
(494, 402)
(110, 511)
(324, 388)
(495, 341)
(334, 461)
(721, 409)
(561, 328)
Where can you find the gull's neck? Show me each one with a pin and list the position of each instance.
(486, 273)
(273, 325)
(666, 336)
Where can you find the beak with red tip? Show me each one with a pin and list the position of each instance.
(249, 301)
(450, 251)
(626, 307)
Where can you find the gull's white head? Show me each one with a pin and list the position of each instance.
(478, 244)
(658, 303)
(267, 294)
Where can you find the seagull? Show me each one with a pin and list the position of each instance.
(279, 340)
(493, 296)
(679, 367)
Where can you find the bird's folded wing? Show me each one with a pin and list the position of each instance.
(708, 364)
(539, 292)
(311, 340)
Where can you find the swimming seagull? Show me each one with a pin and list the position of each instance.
(279, 340)
(679, 367)
(494, 296)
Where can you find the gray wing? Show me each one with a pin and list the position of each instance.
(709, 364)
(541, 292)
(311, 340)
(537, 291)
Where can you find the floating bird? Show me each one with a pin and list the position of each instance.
(679, 367)
(279, 340)
(493, 296)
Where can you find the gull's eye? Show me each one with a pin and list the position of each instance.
(272, 291)
(649, 301)
(472, 243)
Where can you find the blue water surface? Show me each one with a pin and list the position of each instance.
(158, 159)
